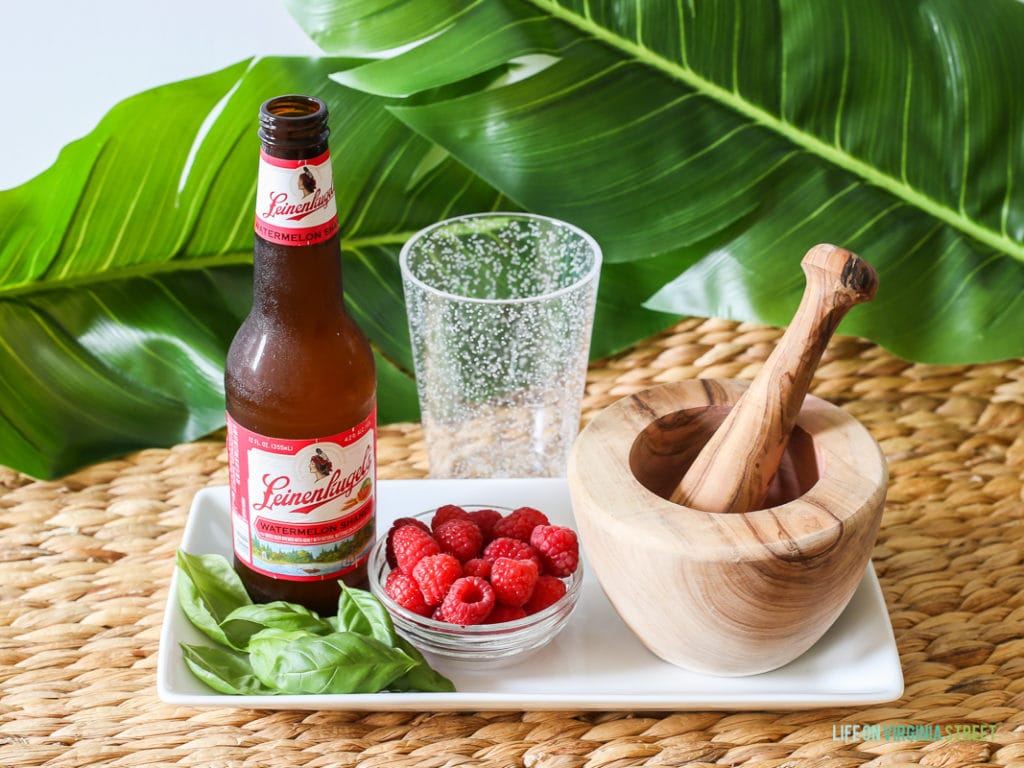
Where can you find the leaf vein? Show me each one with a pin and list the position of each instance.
(793, 133)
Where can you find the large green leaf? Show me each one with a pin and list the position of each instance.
(720, 139)
(706, 144)
(126, 267)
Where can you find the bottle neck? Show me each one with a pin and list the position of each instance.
(297, 282)
(297, 258)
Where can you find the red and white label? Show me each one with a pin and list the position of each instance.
(302, 510)
(295, 200)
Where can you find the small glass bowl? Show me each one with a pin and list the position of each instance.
(490, 644)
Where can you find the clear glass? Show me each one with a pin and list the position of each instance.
(500, 309)
(479, 645)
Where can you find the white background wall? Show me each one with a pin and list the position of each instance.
(65, 63)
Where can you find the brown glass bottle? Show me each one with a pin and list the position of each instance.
(300, 383)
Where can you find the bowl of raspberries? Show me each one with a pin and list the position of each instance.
(477, 583)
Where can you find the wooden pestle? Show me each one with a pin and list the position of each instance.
(734, 469)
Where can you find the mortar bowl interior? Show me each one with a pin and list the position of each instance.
(664, 450)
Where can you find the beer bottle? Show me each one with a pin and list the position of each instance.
(300, 383)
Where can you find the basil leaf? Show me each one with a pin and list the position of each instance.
(422, 677)
(342, 662)
(224, 670)
(360, 612)
(208, 591)
(246, 620)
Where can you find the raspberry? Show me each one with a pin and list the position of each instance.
(513, 580)
(410, 521)
(445, 513)
(485, 520)
(389, 550)
(435, 574)
(472, 567)
(469, 601)
(502, 613)
(547, 591)
(558, 547)
(519, 523)
(410, 545)
(477, 566)
(460, 538)
(403, 589)
(514, 548)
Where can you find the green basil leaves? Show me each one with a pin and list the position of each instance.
(274, 648)
(341, 662)
(208, 591)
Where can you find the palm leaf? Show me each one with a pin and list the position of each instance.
(725, 137)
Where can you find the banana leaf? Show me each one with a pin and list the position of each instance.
(126, 267)
(706, 144)
(727, 137)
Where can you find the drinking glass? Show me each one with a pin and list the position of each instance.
(500, 309)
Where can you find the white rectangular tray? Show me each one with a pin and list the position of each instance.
(596, 663)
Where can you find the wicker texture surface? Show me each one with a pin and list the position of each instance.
(85, 564)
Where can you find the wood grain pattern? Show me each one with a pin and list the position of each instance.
(734, 470)
(724, 594)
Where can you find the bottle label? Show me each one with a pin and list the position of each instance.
(302, 510)
(295, 200)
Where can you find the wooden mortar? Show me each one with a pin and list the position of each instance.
(731, 592)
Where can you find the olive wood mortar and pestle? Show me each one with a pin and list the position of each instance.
(729, 525)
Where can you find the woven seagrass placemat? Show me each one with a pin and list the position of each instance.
(85, 564)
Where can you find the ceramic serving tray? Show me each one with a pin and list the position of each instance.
(595, 663)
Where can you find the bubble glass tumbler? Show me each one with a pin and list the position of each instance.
(500, 309)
